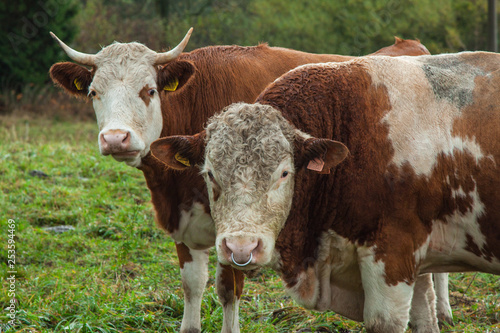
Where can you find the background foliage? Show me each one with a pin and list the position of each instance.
(27, 50)
(353, 27)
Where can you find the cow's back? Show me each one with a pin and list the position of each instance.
(228, 74)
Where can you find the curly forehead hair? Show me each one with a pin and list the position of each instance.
(252, 135)
(249, 120)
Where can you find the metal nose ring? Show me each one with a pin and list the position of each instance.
(242, 265)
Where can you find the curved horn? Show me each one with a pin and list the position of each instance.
(79, 57)
(162, 58)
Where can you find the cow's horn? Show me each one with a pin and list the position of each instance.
(162, 58)
(79, 57)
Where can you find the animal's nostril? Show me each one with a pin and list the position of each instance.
(240, 251)
(126, 139)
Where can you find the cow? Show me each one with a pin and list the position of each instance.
(139, 95)
(356, 180)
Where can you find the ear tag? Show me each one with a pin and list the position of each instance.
(182, 160)
(316, 165)
(78, 84)
(172, 85)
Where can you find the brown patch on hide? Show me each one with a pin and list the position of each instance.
(481, 123)
(232, 282)
(183, 254)
(144, 94)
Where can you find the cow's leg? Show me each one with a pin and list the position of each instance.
(387, 306)
(229, 288)
(194, 272)
(444, 313)
(423, 306)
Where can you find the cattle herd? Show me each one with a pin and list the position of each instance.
(354, 178)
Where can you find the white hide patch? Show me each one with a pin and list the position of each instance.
(387, 307)
(123, 70)
(420, 124)
(231, 310)
(194, 279)
(196, 228)
(449, 239)
(340, 287)
(335, 282)
(423, 307)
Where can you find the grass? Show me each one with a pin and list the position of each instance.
(116, 271)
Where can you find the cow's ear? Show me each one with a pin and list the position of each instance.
(75, 79)
(319, 155)
(175, 75)
(181, 151)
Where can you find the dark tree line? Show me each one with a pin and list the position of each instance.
(353, 27)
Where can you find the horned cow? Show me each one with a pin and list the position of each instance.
(140, 95)
(356, 180)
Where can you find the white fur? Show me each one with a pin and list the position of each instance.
(443, 307)
(449, 242)
(196, 228)
(230, 310)
(430, 120)
(339, 277)
(423, 306)
(123, 70)
(194, 279)
(386, 307)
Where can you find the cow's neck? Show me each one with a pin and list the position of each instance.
(172, 191)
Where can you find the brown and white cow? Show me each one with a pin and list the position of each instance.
(140, 95)
(393, 174)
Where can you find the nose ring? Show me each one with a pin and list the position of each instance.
(241, 265)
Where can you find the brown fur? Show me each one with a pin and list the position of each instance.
(221, 75)
(231, 278)
(401, 47)
(65, 73)
(183, 254)
(144, 95)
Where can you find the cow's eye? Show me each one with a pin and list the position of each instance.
(92, 93)
(284, 174)
(210, 175)
(151, 92)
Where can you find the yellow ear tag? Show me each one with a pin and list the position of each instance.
(182, 160)
(78, 84)
(172, 85)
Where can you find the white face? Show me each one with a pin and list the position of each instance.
(246, 213)
(126, 102)
(249, 172)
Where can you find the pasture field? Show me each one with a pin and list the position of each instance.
(116, 271)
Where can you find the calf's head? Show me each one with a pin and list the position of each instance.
(249, 155)
(124, 81)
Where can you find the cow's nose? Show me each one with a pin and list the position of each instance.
(115, 141)
(241, 251)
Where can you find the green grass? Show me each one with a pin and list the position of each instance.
(117, 272)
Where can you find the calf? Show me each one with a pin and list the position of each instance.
(392, 175)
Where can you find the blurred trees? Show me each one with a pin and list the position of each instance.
(353, 27)
(27, 50)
